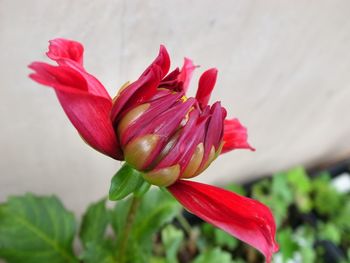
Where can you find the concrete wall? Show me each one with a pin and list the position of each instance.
(283, 70)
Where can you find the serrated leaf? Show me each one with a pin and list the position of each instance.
(94, 223)
(36, 229)
(214, 255)
(101, 252)
(124, 182)
(172, 239)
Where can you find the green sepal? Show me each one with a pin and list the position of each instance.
(142, 189)
(126, 181)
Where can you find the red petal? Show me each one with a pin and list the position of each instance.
(88, 112)
(206, 85)
(186, 73)
(137, 92)
(242, 217)
(144, 88)
(214, 130)
(184, 147)
(235, 136)
(70, 53)
(61, 48)
(165, 128)
(156, 108)
(162, 61)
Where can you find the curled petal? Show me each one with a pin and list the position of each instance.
(242, 217)
(88, 112)
(186, 73)
(162, 61)
(214, 133)
(185, 145)
(61, 48)
(235, 136)
(137, 92)
(144, 88)
(206, 85)
(165, 129)
(154, 109)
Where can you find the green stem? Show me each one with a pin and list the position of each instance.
(184, 223)
(191, 242)
(126, 233)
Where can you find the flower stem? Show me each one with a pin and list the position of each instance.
(135, 202)
(184, 223)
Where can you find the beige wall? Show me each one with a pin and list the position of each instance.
(283, 70)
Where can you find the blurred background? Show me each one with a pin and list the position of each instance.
(283, 71)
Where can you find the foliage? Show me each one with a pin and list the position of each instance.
(39, 229)
(311, 216)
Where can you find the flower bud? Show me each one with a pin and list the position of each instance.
(170, 137)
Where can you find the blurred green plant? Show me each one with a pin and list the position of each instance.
(309, 213)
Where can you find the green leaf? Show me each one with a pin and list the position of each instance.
(224, 239)
(172, 239)
(305, 237)
(276, 194)
(299, 179)
(281, 189)
(158, 260)
(330, 232)
(214, 255)
(94, 223)
(157, 208)
(138, 253)
(142, 189)
(327, 200)
(301, 185)
(36, 229)
(101, 252)
(287, 244)
(219, 237)
(236, 189)
(124, 182)
(342, 219)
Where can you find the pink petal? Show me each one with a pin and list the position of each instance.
(183, 149)
(144, 88)
(137, 92)
(61, 48)
(235, 136)
(206, 85)
(214, 132)
(164, 128)
(171, 81)
(162, 61)
(156, 107)
(242, 217)
(186, 73)
(88, 112)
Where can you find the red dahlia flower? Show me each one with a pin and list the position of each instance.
(157, 130)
